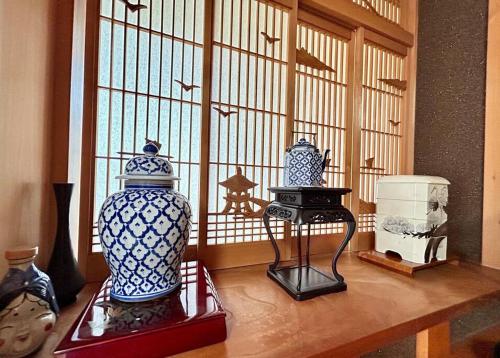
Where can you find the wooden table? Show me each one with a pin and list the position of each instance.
(379, 308)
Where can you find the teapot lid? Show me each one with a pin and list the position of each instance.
(303, 144)
(149, 166)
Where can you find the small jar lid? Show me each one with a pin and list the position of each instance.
(21, 252)
(149, 166)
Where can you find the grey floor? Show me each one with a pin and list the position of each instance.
(485, 315)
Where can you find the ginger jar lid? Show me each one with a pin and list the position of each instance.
(149, 166)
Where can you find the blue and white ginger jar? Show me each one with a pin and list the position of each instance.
(144, 230)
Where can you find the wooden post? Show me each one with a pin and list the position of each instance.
(354, 115)
(410, 12)
(491, 192)
(205, 128)
(434, 342)
(290, 101)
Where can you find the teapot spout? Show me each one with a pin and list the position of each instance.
(325, 160)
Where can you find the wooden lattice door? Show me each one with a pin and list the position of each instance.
(247, 128)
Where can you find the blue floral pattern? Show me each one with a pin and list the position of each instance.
(303, 169)
(148, 165)
(144, 233)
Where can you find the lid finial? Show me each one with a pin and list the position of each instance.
(152, 147)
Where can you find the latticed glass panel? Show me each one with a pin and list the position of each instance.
(247, 124)
(388, 9)
(145, 57)
(321, 102)
(381, 126)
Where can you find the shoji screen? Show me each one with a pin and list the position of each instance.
(321, 101)
(388, 9)
(247, 124)
(144, 58)
(382, 124)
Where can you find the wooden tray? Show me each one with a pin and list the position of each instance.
(394, 263)
(190, 318)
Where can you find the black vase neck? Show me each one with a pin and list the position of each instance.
(63, 192)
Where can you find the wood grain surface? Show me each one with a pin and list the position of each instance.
(378, 308)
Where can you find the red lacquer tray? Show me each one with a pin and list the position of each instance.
(190, 318)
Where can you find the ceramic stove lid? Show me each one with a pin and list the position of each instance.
(149, 166)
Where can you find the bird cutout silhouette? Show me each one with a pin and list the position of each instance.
(305, 58)
(186, 87)
(394, 123)
(224, 113)
(366, 207)
(133, 7)
(269, 39)
(371, 7)
(369, 162)
(399, 84)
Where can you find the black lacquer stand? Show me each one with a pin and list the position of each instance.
(307, 206)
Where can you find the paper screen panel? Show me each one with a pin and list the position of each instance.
(141, 54)
(320, 104)
(382, 124)
(249, 83)
(388, 9)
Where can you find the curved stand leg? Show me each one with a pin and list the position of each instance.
(276, 262)
(299, 256)
(308, 244)
(351, 226)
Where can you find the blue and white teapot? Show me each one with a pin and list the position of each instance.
(144, 229)
(304, 165)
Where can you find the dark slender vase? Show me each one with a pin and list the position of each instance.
(63, 268)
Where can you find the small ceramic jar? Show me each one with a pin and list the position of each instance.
(144, 230)
(28, 307)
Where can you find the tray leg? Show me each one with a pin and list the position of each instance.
(351, 226)
(276, 262)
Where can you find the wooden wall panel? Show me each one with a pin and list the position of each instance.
(26, 50)
(491, 193)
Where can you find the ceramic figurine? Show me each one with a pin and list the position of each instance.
(304, 165)
(28, 307)
(411, 217)
(144, 229)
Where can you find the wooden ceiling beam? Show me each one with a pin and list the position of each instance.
(351, 14)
